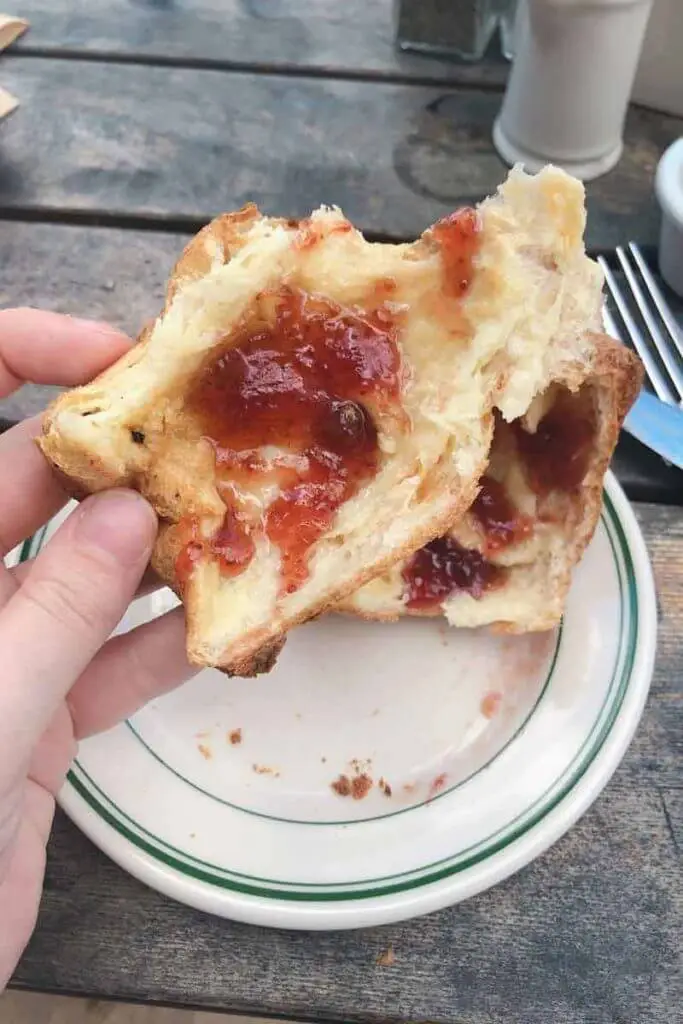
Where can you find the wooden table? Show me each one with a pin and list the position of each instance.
(139, 119)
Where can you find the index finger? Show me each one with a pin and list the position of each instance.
(51, 348)
(47, 348)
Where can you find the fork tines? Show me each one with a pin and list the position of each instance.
(649, 324)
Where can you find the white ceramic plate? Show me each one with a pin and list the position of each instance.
(492, 748)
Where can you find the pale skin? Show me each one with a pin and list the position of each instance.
(75, 681)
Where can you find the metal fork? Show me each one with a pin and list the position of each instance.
(658, 341)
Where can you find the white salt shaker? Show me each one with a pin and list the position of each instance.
(569, 87)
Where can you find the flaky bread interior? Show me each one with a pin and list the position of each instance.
(532, 299)
(535, 568)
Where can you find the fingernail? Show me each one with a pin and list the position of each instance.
(120, 523)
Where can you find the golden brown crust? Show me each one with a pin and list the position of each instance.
(221, 238)
(616, 376)
(262, 661)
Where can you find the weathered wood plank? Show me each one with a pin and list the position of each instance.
(119, 276)
(104, 274)
(350, 37)
(171, 142)
(589, 933)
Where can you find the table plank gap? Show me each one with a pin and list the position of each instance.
(168, 224)
(274, 68)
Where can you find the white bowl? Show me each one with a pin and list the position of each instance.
(669, 192)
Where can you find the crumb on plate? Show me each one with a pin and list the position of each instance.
(437, 785)
(359, 783)
(361, 786)
(342, 786)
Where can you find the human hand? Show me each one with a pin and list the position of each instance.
(61, 678)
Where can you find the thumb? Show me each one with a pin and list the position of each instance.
(70, 601)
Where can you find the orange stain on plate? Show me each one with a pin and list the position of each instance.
(490, 703)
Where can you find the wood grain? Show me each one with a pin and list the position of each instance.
(587, 934)
(338, 38)
(394, 157)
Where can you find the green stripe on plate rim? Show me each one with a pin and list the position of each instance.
(223, 878)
